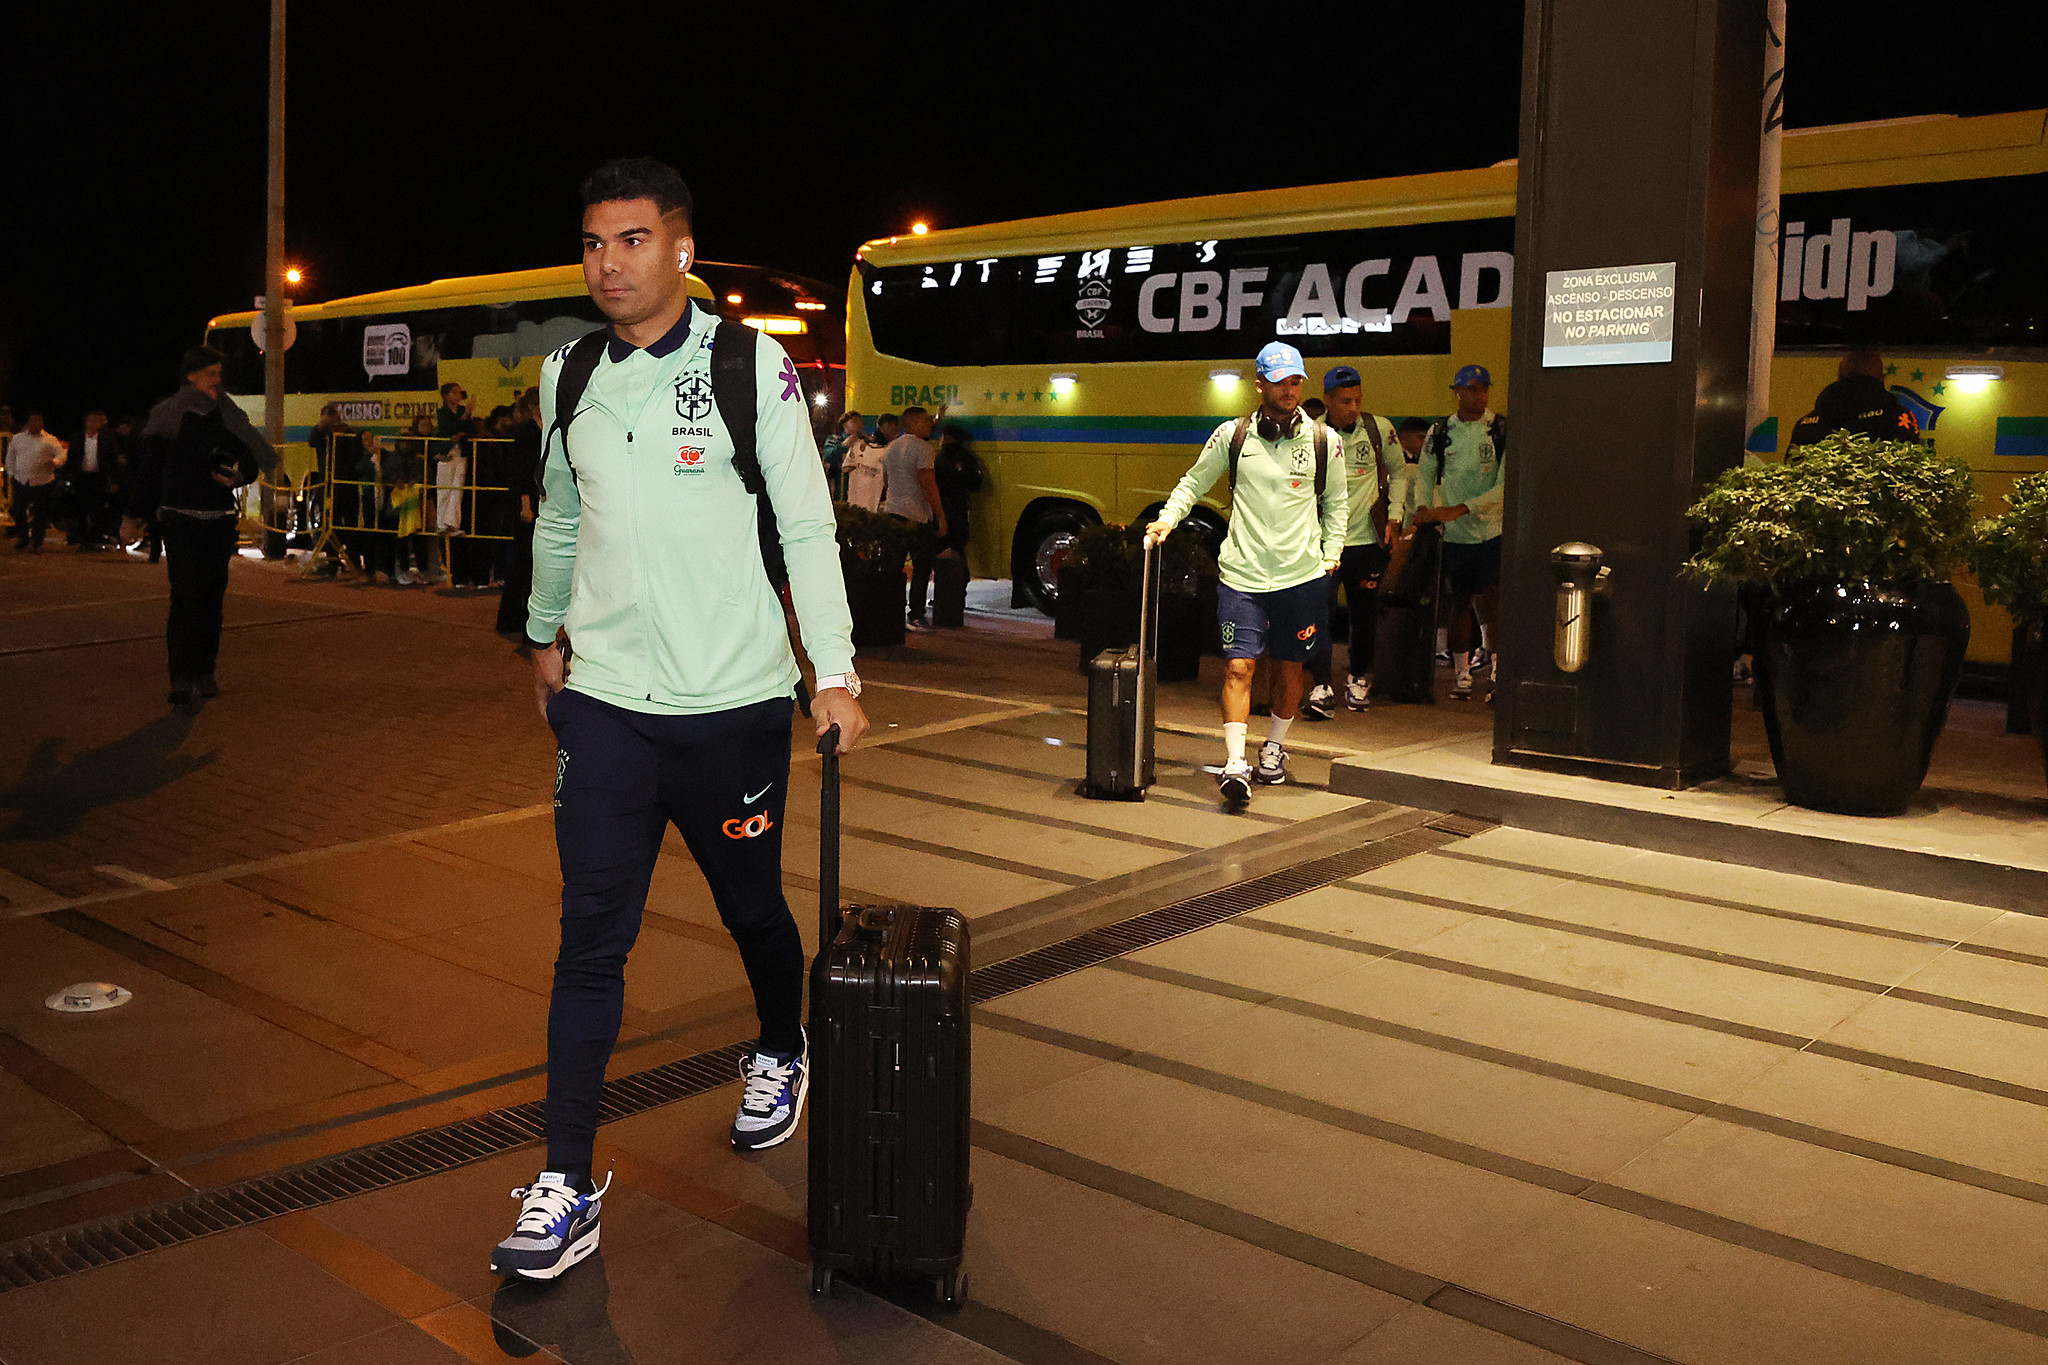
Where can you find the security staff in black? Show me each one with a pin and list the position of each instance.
(197, 450)
(1857, 402)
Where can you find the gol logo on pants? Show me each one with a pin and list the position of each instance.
(753, 827)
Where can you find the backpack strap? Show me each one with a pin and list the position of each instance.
(734, 391)
(579, 362)
(1236, 449)
(1379, 469)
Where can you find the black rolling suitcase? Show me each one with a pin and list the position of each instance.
(1404, 633)
(949, 591)
(889, 1084)
(1121, 684)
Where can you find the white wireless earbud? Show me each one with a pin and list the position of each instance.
(682, 260)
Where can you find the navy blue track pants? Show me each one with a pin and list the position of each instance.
(621, 778)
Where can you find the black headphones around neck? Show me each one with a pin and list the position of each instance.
(1270, 430)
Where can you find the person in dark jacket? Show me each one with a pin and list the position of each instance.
(522, 475)
(1857, 402)
(197, 448)
(92, 475)
(958, 473)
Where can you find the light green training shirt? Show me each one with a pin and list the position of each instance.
(1278, 537)
(1361, 479)
(1474, 474)
(649, 551)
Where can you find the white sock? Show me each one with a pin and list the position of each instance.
(1486, 636)
(1462, 663)
(1233, 741)
(1443, 639)
(1276, 733)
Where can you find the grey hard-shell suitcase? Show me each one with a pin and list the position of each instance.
(1121, 687)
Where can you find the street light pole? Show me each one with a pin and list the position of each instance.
(274, 302)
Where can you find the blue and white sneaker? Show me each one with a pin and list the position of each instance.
(557, 1227)
(773, 1100)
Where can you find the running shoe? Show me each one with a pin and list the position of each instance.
(1234, 784)
(1461, 686)
(1358, 693)
(1482, 659)
(557, 1227)
(1320, 703)
(1272, 769)
(773, 1099)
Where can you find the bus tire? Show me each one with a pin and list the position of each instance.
(1042, 547)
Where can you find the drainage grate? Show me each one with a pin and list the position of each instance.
(457, 1144)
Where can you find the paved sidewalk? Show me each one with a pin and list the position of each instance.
(1504, 1097)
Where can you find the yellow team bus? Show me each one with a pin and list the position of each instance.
(383, 357)
(1090, 354)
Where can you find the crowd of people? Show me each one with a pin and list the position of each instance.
(896, 470)
(75, 485)
(448, 500)
(1323, 502)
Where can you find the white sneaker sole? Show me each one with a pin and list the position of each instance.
(796, 1116)
(578, 1250)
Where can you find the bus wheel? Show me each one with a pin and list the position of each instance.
(1042, 551)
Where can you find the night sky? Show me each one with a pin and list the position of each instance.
(437, 139)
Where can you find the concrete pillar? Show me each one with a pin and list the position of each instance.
(1639, 150)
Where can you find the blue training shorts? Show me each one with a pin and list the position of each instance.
(1288, 623)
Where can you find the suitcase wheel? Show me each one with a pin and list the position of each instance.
(950, 1288)
(821, 1279)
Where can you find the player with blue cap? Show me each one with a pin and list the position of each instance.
(1287, 522)
(1470, 448)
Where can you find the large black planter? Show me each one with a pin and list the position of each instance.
(2031, 661)
(878, 599)
(1106, 619)
(1181, 639)
(1066, 610)
(1859, 679)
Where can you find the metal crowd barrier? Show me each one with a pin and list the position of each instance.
(368, 507)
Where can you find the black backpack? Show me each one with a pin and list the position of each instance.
(732, 389)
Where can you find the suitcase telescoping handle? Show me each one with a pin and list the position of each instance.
(1148, 658)
(828, 840)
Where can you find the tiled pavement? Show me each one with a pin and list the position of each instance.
(1522, 1098)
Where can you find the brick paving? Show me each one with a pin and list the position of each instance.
(336, 724)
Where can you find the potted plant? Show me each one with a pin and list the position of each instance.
(1187, 603)
(1103, 568)
(1851, 543)
(2011, 563)
(1107, 570)
(872, 550)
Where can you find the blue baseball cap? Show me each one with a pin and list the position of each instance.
(1341, 377)
(1278, 360)
(1472, 375)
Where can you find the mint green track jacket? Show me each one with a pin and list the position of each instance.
(648, 552)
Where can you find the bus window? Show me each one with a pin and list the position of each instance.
(533, 327)
(1359, 292)
(1955, 264)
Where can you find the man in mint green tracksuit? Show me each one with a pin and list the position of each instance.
(1284, 542)
(678, 705)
